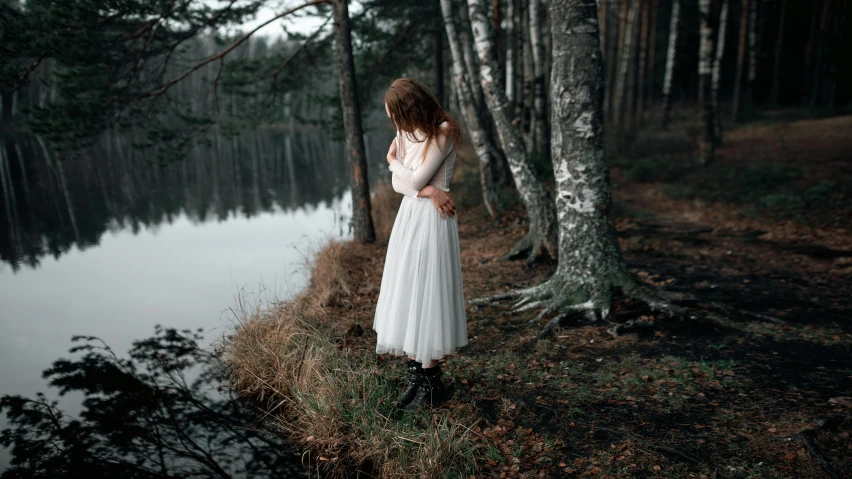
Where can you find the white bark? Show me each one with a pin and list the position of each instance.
(671, 52)
(483, 148)
(510, 51)
(470, 60)
(541, 237)
(706, 37)
(590, 262)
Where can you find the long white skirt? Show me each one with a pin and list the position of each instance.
(420, 311)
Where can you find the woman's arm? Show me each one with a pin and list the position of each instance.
(400, 187)
(440, 199)
(420, 177)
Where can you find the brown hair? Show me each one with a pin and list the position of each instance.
(413, 109)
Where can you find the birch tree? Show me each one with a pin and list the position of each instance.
(540, 240)
(540, 133)
(590, 262)
(705, 59)
(671, 53)
(479, 136)
(717, 68)
(362, 220)
(510, 51)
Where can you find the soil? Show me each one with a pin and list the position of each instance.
(741, 389)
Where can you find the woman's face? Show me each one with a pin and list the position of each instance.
(387, 110)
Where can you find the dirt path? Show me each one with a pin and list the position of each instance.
(767, 356)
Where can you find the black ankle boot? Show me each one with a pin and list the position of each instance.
(430, 392)
(415, 377)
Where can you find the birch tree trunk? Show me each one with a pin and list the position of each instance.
(671, 52)
(499, 169)
(705, 60)
(362, 221)
(741, 53)
(542, 235)
(775, 92)
(510, 53)
(484, 149)
(540, 133)
(469, 55)
(623, 66)
(590, 262)
(717, 68)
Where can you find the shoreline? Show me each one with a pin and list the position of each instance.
(577, 404)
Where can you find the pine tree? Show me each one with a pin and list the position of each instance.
(362, 220)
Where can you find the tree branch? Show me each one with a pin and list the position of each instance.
(164, 88)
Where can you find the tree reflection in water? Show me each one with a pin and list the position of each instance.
(160, 412)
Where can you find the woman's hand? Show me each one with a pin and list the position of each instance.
(392, 151)
(440, 199)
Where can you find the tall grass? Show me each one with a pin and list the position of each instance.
(334, 397)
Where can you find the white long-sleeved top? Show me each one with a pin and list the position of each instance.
(411, 171)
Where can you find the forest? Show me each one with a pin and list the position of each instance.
(654, 197)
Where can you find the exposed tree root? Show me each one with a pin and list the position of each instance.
(731, 312)
(807, 438)
(630, 326)
(532, 245)
(559, 297)
(687, 457)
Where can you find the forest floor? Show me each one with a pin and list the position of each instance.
(757, 384)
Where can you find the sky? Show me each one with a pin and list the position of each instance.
(305, 25)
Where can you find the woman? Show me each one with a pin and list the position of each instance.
(420, 310)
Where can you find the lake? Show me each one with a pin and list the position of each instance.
(111, 244)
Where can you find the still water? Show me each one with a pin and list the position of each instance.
(111, 244)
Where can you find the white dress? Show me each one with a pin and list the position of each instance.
(420, 311)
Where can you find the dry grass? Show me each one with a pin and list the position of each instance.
(311, 368)
(384, 205)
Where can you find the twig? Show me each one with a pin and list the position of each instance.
(807, 437)
(224, 52)
(765, 317)
(658, 447)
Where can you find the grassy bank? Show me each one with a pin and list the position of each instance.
(732, 394)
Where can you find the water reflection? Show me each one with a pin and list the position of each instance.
(48, 205)
(111, 244)
(155, 412)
